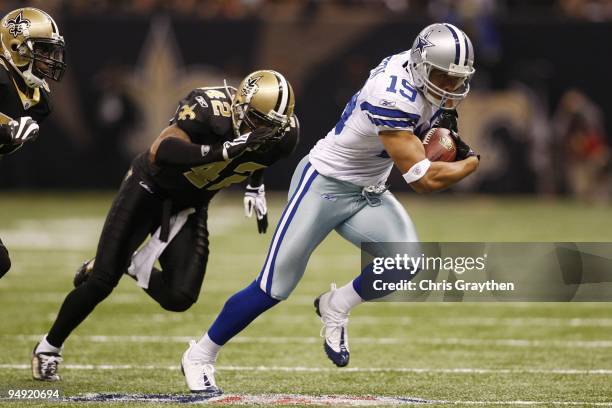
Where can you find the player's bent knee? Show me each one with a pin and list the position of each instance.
(5, 261)
(281, 290)
(279, 295)
(177, 302)
(98, 289)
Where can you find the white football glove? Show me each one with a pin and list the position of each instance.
(255, 199)
(23, 129)
(247, 142)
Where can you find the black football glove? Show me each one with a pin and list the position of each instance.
(463, 150)
(247, 142)
(255, 199)
(448, 120)
(274, 139)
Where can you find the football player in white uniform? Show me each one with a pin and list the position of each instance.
(340, 186)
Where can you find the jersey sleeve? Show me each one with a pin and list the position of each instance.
(397, 110)
(193, 115)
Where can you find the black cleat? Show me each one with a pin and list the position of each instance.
(83, 273)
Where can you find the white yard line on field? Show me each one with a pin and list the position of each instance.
(405, 320)
(591, 344)
(297, 369)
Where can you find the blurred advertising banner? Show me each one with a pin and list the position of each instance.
(487, 271)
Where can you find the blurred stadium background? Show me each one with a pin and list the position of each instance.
(538, 113)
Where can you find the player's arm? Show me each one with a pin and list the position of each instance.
(173, 147)
(423, 176)
(256, 178)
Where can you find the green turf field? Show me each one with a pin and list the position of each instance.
(469, 354)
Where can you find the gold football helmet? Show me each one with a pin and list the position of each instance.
(263, 98)
(32, 44)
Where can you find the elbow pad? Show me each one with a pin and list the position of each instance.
(417, 171)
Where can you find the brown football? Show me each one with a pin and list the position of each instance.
(439, 145)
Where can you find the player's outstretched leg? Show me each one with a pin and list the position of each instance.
(386, 222)
(128, 223)
(238, 312)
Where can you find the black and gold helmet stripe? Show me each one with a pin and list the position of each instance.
(284, 95)
(54, 29)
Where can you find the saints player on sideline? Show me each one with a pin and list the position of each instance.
(32, 50)
(341, 185)
(218, 136)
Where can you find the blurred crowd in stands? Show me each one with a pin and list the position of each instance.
(590, 10)
(540, 120)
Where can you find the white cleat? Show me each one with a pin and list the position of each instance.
(45, 366)
(334, 329)
(200, 377)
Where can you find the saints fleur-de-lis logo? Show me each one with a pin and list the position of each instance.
(251, 87)
(17, 25)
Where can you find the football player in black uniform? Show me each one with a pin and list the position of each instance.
(218, 136)
(32, 50)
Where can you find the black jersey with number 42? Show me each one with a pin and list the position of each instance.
(205, 116)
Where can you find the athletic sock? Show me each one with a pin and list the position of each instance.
(346, 297)
(45, 347)
(238, 312)
(204, 350)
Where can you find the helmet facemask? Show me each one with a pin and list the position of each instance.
(458, 82)
(47, 60)
(244, 114)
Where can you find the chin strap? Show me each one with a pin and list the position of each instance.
(30, 79)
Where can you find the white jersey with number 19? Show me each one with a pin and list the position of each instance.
(352, 151)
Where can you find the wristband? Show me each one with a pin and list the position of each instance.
(417, 171)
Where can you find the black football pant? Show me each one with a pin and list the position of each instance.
(5, 261)
(135, 213)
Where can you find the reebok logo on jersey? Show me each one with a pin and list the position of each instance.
(201, 101)
(329, 197)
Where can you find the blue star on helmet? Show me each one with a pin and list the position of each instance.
(423, 42)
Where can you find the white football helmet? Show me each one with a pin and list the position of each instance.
(442, 52)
